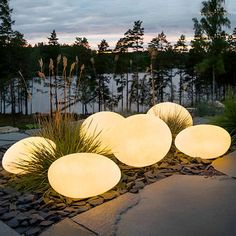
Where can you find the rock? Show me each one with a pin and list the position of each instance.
(13, 223)
(26, 199)
(63, 213)
(22, 229)
(3, 210)
(138, 185)
(83, 208)
(109, 195)
(37, 217)
(206, 161)
(164, 165)
(60, 206)
(33, 231)
(69, 209)
(176, 167)
(133, 190)
(184, 161)
(79, 203)
(150, 175)
(9, 215)
(21, 217)
(24, 223)
(96, 201)
(46, 223)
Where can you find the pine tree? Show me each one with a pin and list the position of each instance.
(103, 46)
(160, 43)
(53, 40)
(134, 37)
(214, 19)
(6, 23)
(83, 42)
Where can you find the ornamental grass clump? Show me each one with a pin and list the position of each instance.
(64, 132)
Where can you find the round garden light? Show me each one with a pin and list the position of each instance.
(141, 140)
(173, 114)
(100, 125)
(205, 141)
(83, 175)
(23, 151)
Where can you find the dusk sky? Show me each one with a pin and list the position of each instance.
(107, 19)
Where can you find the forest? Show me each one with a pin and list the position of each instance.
(143, 74)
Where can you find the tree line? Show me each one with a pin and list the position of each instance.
(206, 71)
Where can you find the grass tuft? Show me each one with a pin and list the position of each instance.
(65, 133)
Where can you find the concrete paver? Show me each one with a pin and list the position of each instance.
(103, 219)
(10, 138)
(183, 206)
(6, 230)
(67, 227)
(226, 164)
(175, 206)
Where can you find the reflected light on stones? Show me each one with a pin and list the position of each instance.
(205, 141)
(100, 125)
(141, 140)
(23, 150)
(83, 175)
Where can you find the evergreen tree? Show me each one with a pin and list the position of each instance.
(160, 43)
(214, 19)
(103, 46)
(53, 40)
(6, 23)
(181, 46)
(83, 42)
(134, 37)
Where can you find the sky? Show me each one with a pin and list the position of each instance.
(107, 19)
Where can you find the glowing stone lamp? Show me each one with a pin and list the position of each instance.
(141, 140)
(169, 110)
(205, 141)
(23, 151)
(83, 175)
(100, 125)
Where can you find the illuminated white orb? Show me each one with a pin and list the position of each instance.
(83, 175)
(100, 125)
(205, 141)
(169, 110)
(23, 151)
(141, 140)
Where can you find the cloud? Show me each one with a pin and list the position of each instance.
(97, 18)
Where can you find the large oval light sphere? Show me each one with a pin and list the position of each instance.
(141, 140)
(82, 175)
(205, 141)
(23, 150)
(172, 113)
(100, 125)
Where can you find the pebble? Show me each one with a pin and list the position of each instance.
(96, 201)
(29, 214)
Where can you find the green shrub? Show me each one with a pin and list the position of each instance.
(208, 109)
(228, 119)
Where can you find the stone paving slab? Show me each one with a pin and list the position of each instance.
(102, 219)
(176, 206)
(67, 227)
(8, 129)
(5, 230)
(226, 164)
(183, 206)
(10, 138)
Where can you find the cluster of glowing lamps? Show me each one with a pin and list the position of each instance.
(138, 141)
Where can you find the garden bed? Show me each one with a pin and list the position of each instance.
(31, 213)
